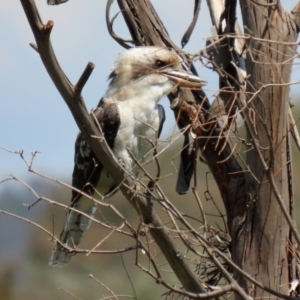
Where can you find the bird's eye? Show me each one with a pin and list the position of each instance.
(159, 63)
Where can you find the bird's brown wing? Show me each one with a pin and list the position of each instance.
(86, 174)
(87, 168)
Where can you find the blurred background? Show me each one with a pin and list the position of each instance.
(33, 117)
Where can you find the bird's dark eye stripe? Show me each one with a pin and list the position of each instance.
(159, 63)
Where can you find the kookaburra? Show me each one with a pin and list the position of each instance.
(129, 116)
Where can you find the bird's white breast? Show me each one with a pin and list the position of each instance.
(139, 122)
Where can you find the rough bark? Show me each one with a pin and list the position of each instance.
(260, 244)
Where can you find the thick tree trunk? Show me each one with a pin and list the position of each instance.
(260, 245)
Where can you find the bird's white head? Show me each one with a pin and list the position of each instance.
(148, 70)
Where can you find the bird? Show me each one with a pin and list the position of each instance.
(129, 116)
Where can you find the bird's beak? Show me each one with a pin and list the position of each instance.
(184, 79)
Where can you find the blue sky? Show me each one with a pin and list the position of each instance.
(33, 115)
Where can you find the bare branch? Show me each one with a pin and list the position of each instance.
(107, 288)
(186, 37)
(71, 294)
(109, 24)
(84, 78)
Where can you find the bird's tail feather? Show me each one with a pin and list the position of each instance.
(71, 235)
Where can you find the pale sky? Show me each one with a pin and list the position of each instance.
(33, 115)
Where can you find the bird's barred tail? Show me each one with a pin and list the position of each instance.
(71, 235)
